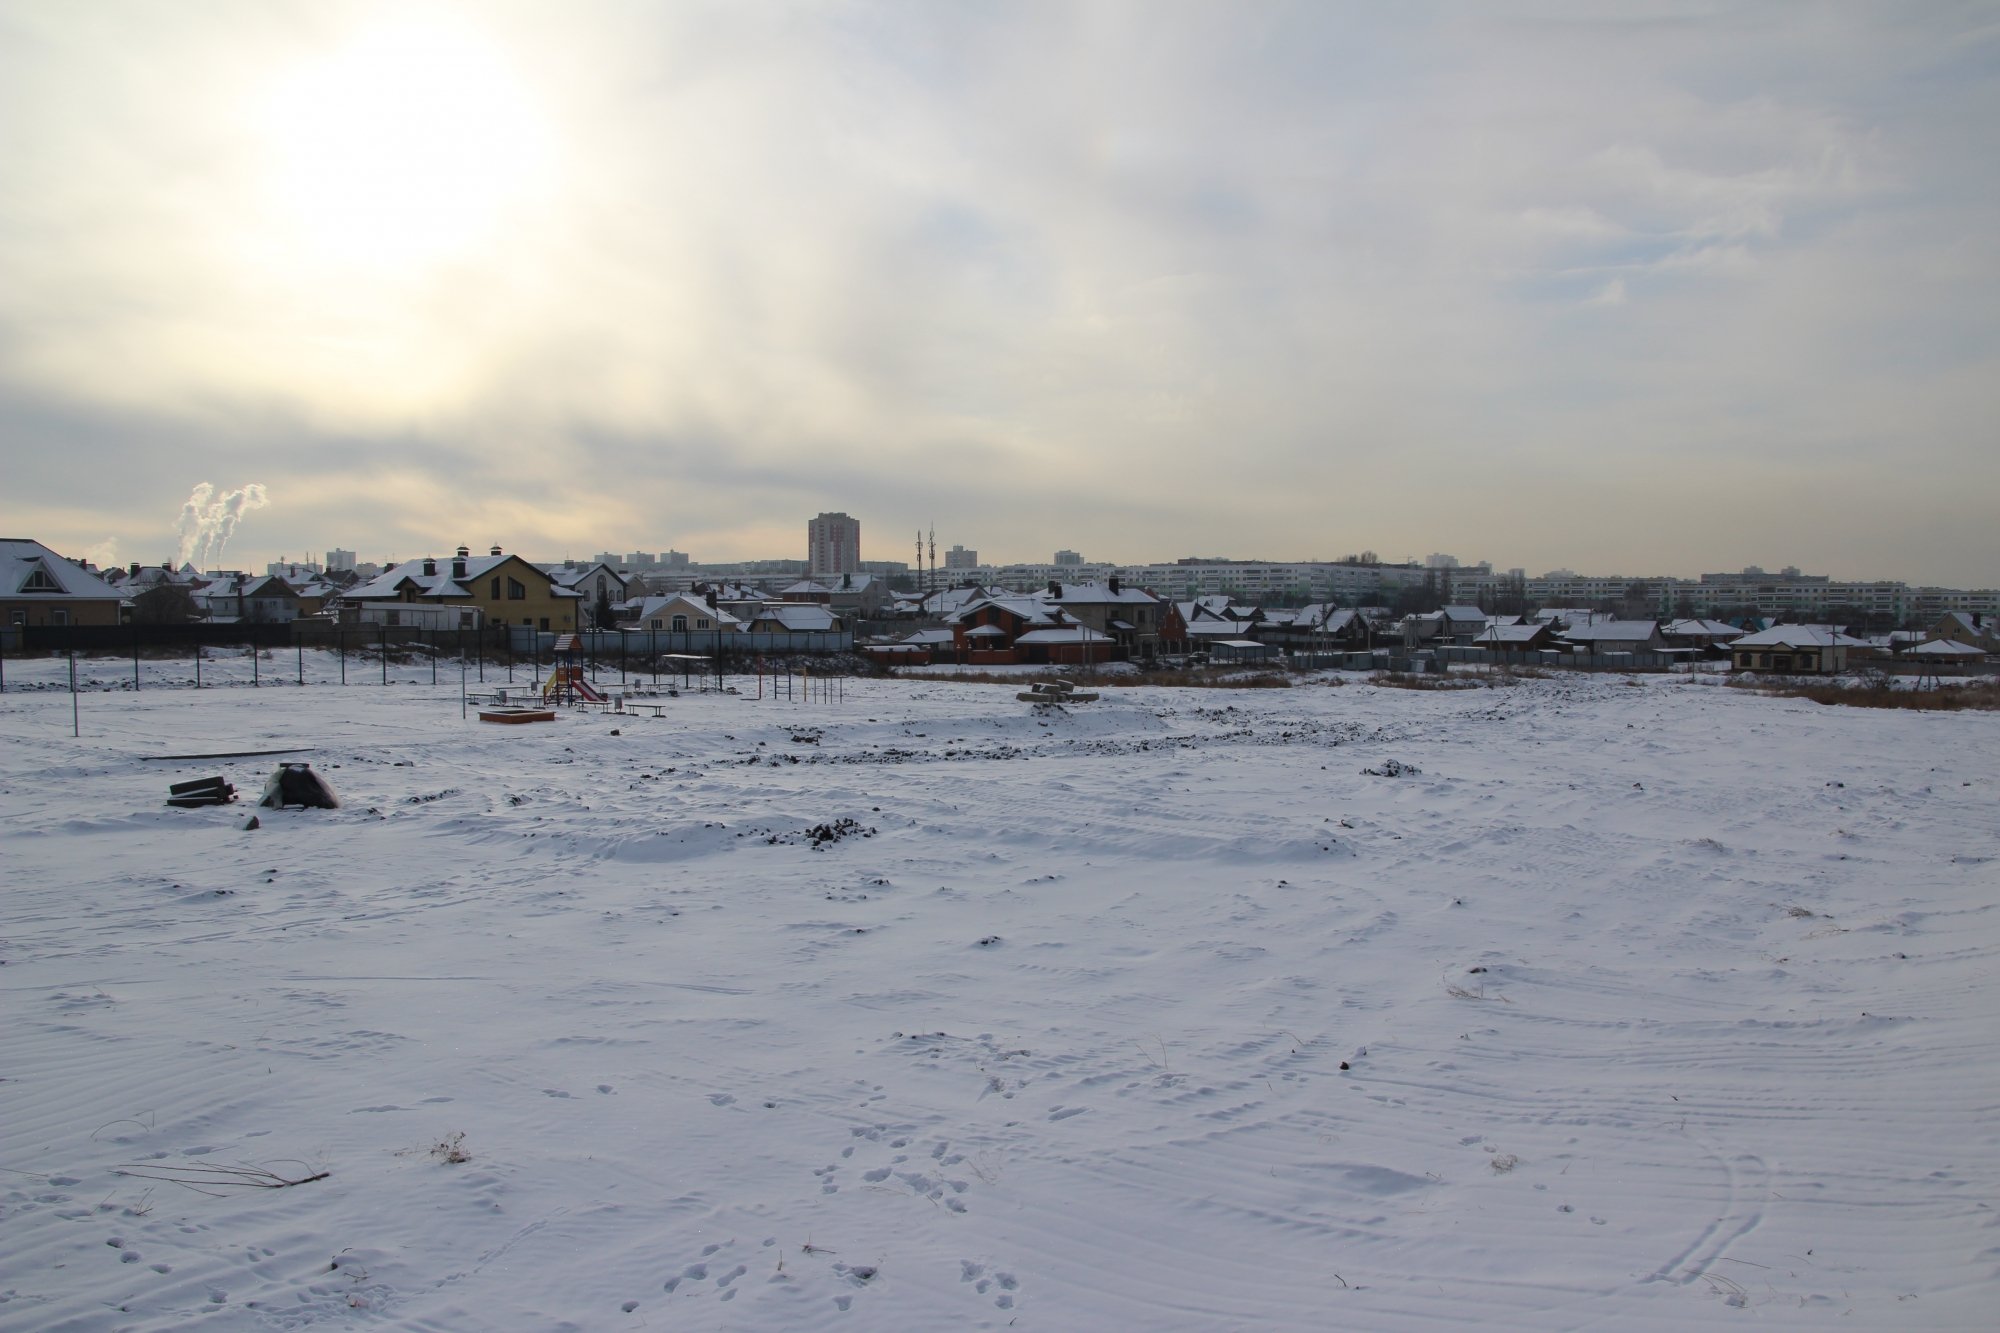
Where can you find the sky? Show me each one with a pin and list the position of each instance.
(1637, 288)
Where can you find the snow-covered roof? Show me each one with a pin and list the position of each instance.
(24, 561)
(439, 583)
(1465, 613)
(1213, 629)
(799, 617)
(1944, 648)
(1325, 618)
(1798, 636)
(1096, 594)
(1701, 629)
(572, 577)
(1613, 631)
(1510, 633)
(1064, 634)
(1021, 607)
(648, 609)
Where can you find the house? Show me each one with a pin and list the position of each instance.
(1969, 627)
(1701, 634)
(806, 590)
(680, 613)
(1531, 637)
(1242, 650)
(465, 592)
(1129, 616)
(257, 599)
(1462, 624)
(1600, 637)
(1316, 628)
(1793, 650)
(985, 632)
(795, 618)
(859, 596)
(1942, 653)
(39, 587)
(1065, 645)
(598, 585)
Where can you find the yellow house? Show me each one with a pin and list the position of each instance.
(39, 587)
(465, 592)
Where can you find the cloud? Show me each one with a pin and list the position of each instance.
(1115, 278)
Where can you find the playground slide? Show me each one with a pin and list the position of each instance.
(570, 678)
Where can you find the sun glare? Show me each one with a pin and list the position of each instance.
(407, 147)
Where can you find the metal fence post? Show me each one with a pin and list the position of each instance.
(385, 652)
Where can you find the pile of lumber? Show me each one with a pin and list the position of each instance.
(201, 791)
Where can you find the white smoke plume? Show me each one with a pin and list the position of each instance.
(207, 522)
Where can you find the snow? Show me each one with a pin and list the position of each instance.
(1575, 1003)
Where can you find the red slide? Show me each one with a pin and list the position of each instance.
(584, 689)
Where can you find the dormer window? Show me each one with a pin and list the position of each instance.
(39, 581)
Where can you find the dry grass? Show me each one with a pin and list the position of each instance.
(1957, 696)
(1397, 680)
(1194, 680)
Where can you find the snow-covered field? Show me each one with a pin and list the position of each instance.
(1621, 1005)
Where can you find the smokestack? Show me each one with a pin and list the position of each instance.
(430, 568)
(1114, 585)
(1055, 589)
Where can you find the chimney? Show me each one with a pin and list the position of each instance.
(1055, 589)
(135, 569)
(430, 567)
(1115, 586)
(463, 553)
(458, 565)
(495, 550)
(711, 598)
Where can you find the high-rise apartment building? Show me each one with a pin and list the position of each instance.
(833, 544)
(960, 558)
(339, 561)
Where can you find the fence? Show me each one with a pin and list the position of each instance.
(363, 653)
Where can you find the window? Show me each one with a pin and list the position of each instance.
(515, 592)
(20, 618)
(494, 593)
(58, 616)
(39, 581)
(701, 622)
(656, 624)
(395, 617)
(465, 620)
(545, 622)
(680, 624)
